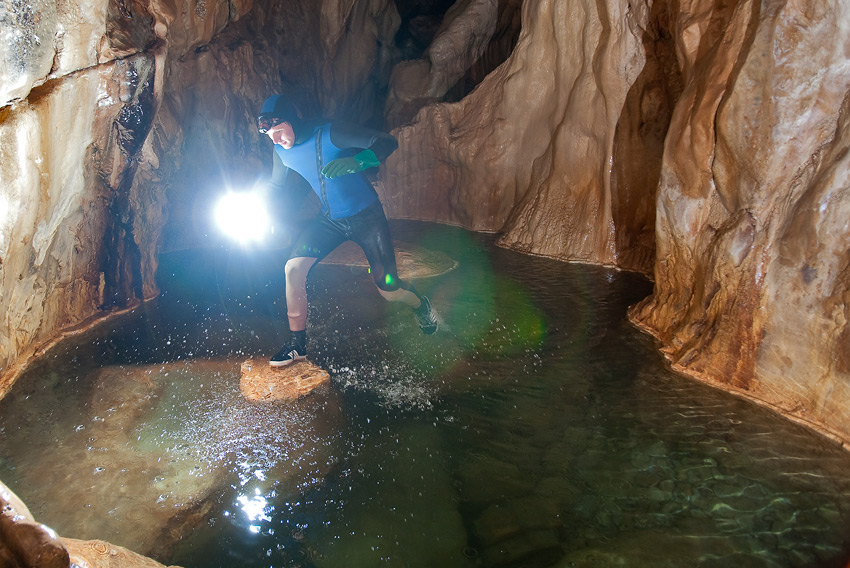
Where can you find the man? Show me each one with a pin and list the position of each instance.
(330, 157)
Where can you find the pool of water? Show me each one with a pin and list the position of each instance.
(536, 428)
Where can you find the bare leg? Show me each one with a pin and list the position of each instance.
(296, 291)
(401, 295)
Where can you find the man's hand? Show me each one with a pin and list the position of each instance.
(340, 167)
(343, 166)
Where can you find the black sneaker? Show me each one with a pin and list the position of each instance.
(426, 316)
(288, 355)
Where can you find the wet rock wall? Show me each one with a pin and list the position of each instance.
(119, 120)
(702, 142)
(68, 250)
(530, 152)
(79, 233)
(752, 233)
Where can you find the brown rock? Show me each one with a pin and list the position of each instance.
(32, 545)
(25, 543)
(101, 554)
(752, 281)
(529, 152)
(263, 383)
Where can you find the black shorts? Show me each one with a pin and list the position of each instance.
(368, 228)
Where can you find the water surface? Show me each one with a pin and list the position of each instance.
(536, 428)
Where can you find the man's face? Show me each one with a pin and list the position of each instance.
(282, 134)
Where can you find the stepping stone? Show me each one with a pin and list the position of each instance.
(261, 382)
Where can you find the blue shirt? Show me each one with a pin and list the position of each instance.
(346, 195)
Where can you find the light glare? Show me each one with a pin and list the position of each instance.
(242, 216)
(256, 507)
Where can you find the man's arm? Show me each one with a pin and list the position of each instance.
(285, 186)
(280, 174)
(349, 135)
(376, 147)
(284, 191)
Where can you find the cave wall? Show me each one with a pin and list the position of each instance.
(74, 228)
(529, 152)
(703, 142)
(752, 233)
(119, 120)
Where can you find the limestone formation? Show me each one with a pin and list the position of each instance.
(693, 141)
(24, 543)
(529, 152)
(78, 233)
(260, 382)
(752, 236)
(459, 42)
(101, 554)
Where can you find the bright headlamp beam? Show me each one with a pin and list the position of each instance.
(242, 216)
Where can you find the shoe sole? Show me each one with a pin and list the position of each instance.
(287, 363)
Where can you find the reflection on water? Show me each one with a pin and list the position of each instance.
(536, 428)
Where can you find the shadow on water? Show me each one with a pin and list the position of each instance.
(536, 428)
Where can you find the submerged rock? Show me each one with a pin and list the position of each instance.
(413, 261)
(410, 493)
(534, 548)
(134, 470)
(156, 448)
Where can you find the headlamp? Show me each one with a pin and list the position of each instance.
(266, 123)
